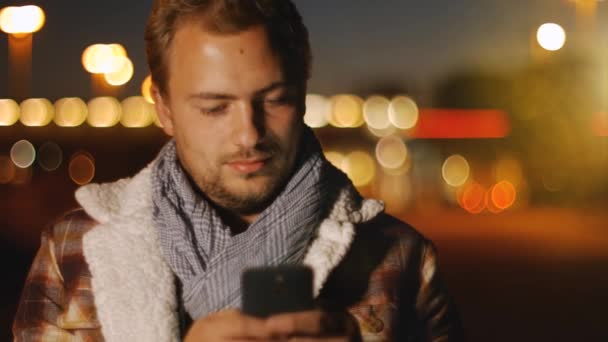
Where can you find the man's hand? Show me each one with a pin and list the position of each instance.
(230, 325)
(314, 326)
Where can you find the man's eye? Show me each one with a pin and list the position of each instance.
(214, 110)
(283, 100)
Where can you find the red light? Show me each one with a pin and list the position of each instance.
(461, 124)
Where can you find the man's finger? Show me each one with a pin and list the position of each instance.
(308, 323)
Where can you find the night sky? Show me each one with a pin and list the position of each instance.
(359, 45)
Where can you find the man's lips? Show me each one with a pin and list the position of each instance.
(248, 165)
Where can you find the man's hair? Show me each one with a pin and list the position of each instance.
(286, 32)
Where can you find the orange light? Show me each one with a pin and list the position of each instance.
(82, 168)
(472, 198)
(503, 195)
(600, 124)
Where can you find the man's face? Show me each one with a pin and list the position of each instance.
(232, 114)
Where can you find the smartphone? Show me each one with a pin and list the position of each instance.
(269, 291)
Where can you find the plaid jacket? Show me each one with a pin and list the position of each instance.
(388, 280)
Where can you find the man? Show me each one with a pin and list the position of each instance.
(242, 183)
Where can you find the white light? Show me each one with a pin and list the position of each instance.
(375, 112)
(403, 112)
(70, 112)
(23, 154)
(318, 110)
(137, 112)
(37, 112)
(551, 37)
(104, 112)
(21, 20)
(9, 112)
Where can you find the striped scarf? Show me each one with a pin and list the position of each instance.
(200, 249)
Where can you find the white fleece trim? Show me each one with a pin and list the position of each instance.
(133, 285)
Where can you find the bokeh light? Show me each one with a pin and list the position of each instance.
(375, 112)
(103, 58)
(456, 170)
(23, 154)
(37, 112)
(551, 36)
(70, 112)
(335, 158)
(472, 198)
(9, 112)
(7, 170)
(360, 168)
(82, 168)
(391, 152)
(346, 111)
(50, 156)
(146, 89)
(381, 133)
(403, 112)
(503, 195)
(122, 74)
(21, 20)
(137, 112)
(318, 111)
(104, 112)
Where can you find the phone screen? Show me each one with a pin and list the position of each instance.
(268, 291)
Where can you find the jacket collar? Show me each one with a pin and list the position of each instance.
(133, 285)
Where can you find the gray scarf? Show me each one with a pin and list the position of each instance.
(199, 247)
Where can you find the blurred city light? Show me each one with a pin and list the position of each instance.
(551, 36)
(376, 113)
(503, 195)
(70, 112)
(7, 170)
(82, 168)
(346, 111)
(335, 158)
(9, 112)
(137, 112)
(146, 89)
(456, 170)
(391, 152)
(472, 198)
(360, 168)
(318, 111)
(23, 154)
(104, 58)
(104, 112)
(50, 156)
(37, 112)
(403, 112)
(461, 124)
(21, 20)
(122, 74)
(381, 133)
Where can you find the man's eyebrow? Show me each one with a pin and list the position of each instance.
(273, 86)
(211, 96)
(221, 96)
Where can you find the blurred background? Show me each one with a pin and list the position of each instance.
(484, 123)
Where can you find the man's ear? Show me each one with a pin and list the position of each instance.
(162, 110)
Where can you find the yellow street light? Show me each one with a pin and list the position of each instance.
(551, 36)
(21, 20)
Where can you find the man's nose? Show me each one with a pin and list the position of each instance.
(249, 125)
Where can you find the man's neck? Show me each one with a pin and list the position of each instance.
(237, 223)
